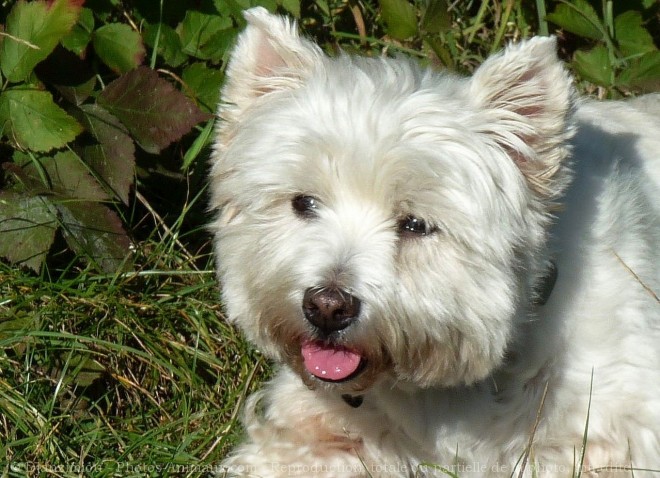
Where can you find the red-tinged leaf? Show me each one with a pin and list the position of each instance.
(35, 28)
(66, 176)
(113, 158)
(96, 233)
(119, 47)
(79, 93)
(27, 226)
(24, 177)
(155, 113)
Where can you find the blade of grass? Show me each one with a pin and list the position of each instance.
(541, 12)
(497, 42)
(528, 450)
(585, 436)
(154, 53)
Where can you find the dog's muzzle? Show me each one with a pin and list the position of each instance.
(330, 309)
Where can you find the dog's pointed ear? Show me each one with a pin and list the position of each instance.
(269, 56)
(528, 97)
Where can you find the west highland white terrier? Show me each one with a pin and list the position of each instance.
(458, 276)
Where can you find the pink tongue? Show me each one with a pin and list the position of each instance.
(329, 362)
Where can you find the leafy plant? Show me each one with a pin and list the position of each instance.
(104, 105)
(621, 54)
(615, 49)
(82, 118)
(71, 137)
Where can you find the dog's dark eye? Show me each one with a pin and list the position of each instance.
(305, 206)
(412, 226)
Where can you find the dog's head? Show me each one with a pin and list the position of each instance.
(377, 218)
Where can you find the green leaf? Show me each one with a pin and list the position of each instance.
(96, 233)
(81, 33)
(119, 47)
(27, 226)
(441, 51)
(203, 84)
(31, 120)
(155, 113)
(291, 6)
(34, 29)
(642, 73)
(578, 17)
(113, 157)
(594, 65)
(169, 43)
(270, 5)
(227, 8)
(14, 323)
(400, 18)
(201, 141)
(85, 370)
(205, 36)
(632, 37)
(436, 17)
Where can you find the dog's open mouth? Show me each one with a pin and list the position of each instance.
(331, 362)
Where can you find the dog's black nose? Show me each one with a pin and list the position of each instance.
(330, 309)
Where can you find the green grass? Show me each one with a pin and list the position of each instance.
(117, 376)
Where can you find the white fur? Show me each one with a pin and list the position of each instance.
(514, 172)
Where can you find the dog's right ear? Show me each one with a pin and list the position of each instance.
(269, 56)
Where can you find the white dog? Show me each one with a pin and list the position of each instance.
(458, 276)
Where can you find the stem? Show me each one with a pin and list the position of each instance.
(502, 27)
(541, 12)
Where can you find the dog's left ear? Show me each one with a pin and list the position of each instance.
(269, 56)
(526, 97)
